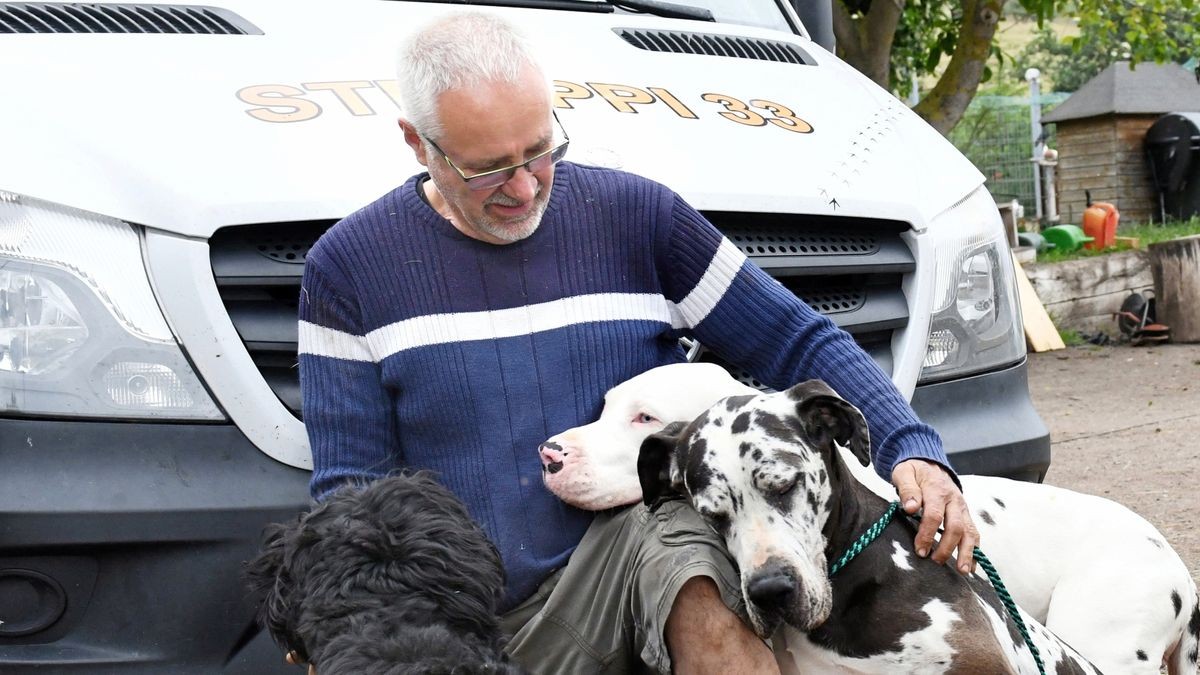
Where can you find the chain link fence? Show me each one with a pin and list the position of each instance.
(995, 135)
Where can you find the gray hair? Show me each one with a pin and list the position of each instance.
(456, 51)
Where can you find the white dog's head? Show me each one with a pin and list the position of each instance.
(594, 466)
(762, 471)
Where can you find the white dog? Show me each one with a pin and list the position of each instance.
(1098, 575)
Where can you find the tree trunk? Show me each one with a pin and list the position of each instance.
(1175, 265)
(866, 42)
(944, 106)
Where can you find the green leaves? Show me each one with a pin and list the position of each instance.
(1142, 30)
(929, 32)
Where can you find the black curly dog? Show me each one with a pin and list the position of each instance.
(392, 577)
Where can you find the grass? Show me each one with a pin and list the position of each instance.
(1070, 337)
(1145, 234)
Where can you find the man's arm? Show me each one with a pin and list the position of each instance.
(346, 408)
(742, 313)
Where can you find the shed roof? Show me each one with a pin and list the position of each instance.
(1148, 89)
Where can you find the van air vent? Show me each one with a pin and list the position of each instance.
(70, 17)
(737, 46)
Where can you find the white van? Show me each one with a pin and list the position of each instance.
(165, 167)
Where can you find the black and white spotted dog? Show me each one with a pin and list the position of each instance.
(398, 560)
(764, 472)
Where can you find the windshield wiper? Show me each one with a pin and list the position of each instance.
(668, 10)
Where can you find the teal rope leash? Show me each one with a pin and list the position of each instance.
(1006, 599)
(994, 577)
(869, 536)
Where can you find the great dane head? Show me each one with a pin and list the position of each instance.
(763, 471)
(592, 466)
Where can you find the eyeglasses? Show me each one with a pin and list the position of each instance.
(489, 180)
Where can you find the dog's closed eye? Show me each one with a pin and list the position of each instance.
(787, 485)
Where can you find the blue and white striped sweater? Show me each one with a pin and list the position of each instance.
(423, 348)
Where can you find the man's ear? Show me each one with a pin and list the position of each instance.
(824, 414)
(413, 139)
(655, 465)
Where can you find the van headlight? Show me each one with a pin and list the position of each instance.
(81, 333)
(976, 322)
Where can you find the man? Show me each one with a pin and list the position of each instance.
(478, 309)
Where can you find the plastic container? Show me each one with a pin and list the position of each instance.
(1100, 223)
(1034, 240)
(1066, 237)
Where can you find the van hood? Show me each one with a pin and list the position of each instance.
(190, 133)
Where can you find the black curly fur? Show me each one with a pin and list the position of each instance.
(426, 650)
(400, 558)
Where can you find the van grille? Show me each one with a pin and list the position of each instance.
(735, 46)
(848, 269)
(62, 17)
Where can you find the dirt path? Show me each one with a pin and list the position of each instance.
(1125, 424)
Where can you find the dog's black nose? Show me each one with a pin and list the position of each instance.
(553, 467)
(772, 589)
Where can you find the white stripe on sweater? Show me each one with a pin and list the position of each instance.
(321, 341)
(722, 269)
(435, 329)
(490, 325)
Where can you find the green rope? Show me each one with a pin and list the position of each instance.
(994, 577)
(877, 528)
(869, 536)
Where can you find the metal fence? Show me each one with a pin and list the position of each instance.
(996, 136)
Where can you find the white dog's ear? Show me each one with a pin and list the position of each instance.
(657, 471)
(825, 415)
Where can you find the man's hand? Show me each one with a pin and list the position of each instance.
(927, 485)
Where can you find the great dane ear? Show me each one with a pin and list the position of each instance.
(655, 465)
(827, 415)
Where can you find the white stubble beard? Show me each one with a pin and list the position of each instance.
(513, 231)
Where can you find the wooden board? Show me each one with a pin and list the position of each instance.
(1040, 333)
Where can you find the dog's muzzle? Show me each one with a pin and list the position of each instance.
(772, 590)
(775, 596)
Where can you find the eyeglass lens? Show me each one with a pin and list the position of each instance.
(488, 181)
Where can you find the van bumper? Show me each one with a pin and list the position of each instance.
(121, 546)
(988, 424)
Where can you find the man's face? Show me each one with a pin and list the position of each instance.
(486, 127)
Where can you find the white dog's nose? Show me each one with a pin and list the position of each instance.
(552, 455)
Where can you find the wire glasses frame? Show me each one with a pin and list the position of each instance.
(489, 180)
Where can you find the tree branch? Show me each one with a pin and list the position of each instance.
(843, 31)
(866, 43)
(944, 106)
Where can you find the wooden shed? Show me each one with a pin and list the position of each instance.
(1099, 132)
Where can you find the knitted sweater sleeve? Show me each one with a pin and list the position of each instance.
(747, 317)
(346, 407)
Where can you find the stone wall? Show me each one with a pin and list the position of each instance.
(1083, 294)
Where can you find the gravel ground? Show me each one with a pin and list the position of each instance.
(1125, 424)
